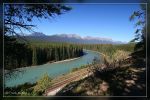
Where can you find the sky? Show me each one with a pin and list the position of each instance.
(97, 20)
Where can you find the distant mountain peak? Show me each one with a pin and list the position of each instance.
(73, 38)
(70, 36)
(96, 38)
(37, 34)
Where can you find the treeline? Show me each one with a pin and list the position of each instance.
(21, 55)
(109, 49)
(44, 52)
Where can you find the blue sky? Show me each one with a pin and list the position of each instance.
(97, 20)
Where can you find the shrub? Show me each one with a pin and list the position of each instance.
(42, 84)
(120, 55)
(117, 56)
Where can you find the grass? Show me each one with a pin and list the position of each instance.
(81, 67)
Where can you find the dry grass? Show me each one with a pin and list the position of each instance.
(119, 55)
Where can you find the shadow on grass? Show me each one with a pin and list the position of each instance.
(122, 81)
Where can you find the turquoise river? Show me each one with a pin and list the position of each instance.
(33, 73)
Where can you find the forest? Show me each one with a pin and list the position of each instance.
(19, 54)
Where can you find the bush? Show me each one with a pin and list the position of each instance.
(74, 69)
(25, 89)
(42, 84)
(120, 55)
(81, 67)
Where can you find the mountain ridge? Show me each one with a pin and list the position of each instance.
(71, 38)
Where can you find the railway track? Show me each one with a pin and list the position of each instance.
(59, 84)
(64, 81)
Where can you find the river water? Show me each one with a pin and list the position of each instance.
(33, 73)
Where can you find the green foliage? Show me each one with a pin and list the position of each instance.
(81, 67)
(27, 93)
(141, 25)
(16, 54)
(21, 55)
(74, 69)
(42, 84)
(20, 90)
(49, 52)
(140, 15)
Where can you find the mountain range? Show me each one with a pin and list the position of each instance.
(71, 38)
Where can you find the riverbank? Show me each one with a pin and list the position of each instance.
(52, 62)
(66, 60)
(56, 84)
(32, 74)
